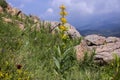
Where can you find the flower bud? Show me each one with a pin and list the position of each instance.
(63, 13)
(62, 28)
(63, 20)
(62, 7)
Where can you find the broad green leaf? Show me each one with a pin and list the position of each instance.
(57, 63)
(66, 53)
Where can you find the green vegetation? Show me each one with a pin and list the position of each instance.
(3, 3)
(39, 55)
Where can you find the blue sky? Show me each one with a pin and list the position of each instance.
(81, 12)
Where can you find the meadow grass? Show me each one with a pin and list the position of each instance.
(32, 54)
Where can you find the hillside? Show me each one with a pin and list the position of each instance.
(31, 49)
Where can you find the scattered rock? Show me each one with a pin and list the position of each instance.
(112, 39)
(7, 20)
(95, 39)
(108, 47)
(35, 26)
(15, 12)
(9, 9)
(12, 11)
(21, 15)
(81, 50)
(21, 26)
(34, 18)
(103, 58)
(72, 32)
(52, 24)
(1, 9)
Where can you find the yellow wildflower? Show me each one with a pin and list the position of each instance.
(7, 76)
(20, 79)
(64, 36)
(1, 74)
(25, 72)
(28, 78)
(63, 28)
(63, 13)
(6, 62)
(62, 7)
(63, 20)
(19, 71)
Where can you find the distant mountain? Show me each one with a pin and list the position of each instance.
(99, 32)
(106, 27)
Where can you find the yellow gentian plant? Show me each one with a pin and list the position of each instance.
(63, 20)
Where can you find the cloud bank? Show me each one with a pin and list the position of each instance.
(89, 6)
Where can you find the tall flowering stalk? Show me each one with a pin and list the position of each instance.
(63, 20)
(63, 60)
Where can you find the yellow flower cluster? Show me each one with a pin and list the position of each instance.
(1, 74)
(62, 28)
(63, 20)
(62, 7)
(5, 75)
(65, 36)
(63, 13)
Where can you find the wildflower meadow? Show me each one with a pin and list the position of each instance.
(32, 54)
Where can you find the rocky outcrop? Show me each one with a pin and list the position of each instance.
(95, 40)
(112, 39)
(72, 32)
(105, 48)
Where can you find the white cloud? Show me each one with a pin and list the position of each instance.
(48, 14)
(74, 6)
(88, 6)
(83, 7)
(49, 10)
(10, 4)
